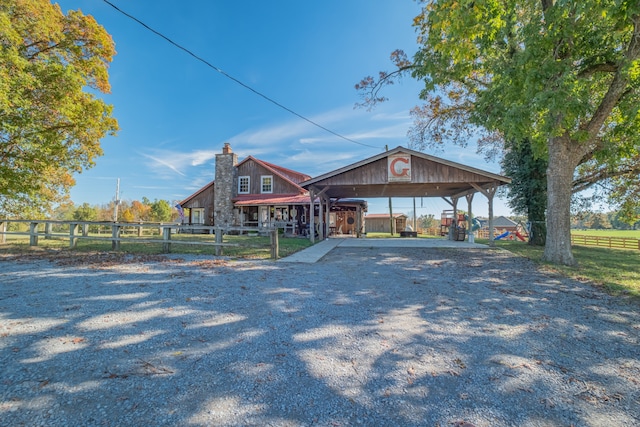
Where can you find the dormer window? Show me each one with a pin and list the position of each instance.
(266, 184)
(243, 185)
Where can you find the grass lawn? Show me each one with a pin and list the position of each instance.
(617, 270)
(250, 247)
(633, 234)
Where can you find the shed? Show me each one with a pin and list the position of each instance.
(381, 223)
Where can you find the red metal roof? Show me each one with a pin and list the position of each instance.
(271, 199)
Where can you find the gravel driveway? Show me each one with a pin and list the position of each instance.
(366, 336)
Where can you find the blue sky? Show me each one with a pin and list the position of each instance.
(176, 113)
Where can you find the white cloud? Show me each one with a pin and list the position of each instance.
(177, 161)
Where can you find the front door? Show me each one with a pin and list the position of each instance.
(264, 216)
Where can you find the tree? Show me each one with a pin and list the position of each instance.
(51, 123)
(599, 221)
(160, 211)
(64, 212)
(140, 211)
(564, 74)
(85, 212)
(427, 221)
(527, 192)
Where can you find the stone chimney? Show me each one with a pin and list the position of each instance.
(225, 187)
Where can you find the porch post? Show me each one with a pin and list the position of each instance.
(488, 193)
(311, 219)
(320, 219)
(454, 222)
(326, 216)
(469, 217)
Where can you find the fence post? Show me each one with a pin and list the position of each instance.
(3, 229)
(166, 236)
(115, 235)
(72, 232)
(33, 234)
(274, 244)
(218, 231)
(47, 230)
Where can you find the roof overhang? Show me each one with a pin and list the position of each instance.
(433, 177)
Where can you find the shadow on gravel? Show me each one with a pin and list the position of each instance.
(364, 337)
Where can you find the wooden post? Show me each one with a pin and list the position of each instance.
(85, 230)
(275, 248)
(415, 216)
(115, 236)
(320, 219)
(72, 232)
(166, 236)
(470, 217)
(47, 230)
(453, 230)
(392, 223)
(311, 216)
(218, 231)
(3, 229)
(140, 228)
(488, 193)
(33, 234)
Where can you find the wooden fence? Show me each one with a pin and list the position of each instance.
(605, 242)
(117, 232)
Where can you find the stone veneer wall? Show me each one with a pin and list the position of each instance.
(225, 187)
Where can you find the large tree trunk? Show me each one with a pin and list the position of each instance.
(562, 163)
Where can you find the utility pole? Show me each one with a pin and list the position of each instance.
(117, 202)
(391, 221)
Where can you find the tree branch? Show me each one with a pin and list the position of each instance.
(607, 67)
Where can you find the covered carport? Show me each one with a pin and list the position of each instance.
(402, 172)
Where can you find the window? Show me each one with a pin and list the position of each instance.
(266, 184)
(197, 216)
(243, 185)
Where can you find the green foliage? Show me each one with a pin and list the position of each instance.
(51, 123)
(527, 193)
(161, 211)
(564, 75)
(427, 221)
(86, 212)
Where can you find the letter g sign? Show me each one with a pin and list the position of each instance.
(399, 167)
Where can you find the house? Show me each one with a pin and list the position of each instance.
(501, 223)
(381, 223)
(255, 193)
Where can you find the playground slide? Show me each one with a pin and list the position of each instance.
(501, 236)
(520, 236)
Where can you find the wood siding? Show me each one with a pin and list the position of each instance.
(204, 200)
(422, 171)
(255, 171)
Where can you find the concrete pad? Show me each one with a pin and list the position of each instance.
(313, 253)
(316, 252)
(408, 243)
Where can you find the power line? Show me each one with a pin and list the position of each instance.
(230, 77)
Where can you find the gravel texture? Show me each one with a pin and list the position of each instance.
(366, 336)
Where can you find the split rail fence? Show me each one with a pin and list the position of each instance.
(117, 232)
(605, 242)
